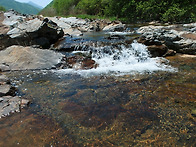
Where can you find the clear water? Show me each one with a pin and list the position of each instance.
(130, 99)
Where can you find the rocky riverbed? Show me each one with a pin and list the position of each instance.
(96, 82)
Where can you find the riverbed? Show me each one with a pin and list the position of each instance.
(105, 110)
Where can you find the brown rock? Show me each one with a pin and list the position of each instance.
(24, 103)
(170, 53)
(189, 36)
(157, 50)
(80, 62)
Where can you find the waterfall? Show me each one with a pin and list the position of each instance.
(121, 60)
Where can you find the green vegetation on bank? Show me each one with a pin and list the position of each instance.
(20, 7)
(128, 10)
(2, 8)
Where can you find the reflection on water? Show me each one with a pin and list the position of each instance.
(156, 109)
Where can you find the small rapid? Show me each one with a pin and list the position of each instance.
(120, 60)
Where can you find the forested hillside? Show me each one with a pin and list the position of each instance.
(20, 7)
(130, 10)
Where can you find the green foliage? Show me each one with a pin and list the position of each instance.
(49, 10)
(65, 7)
(2, 8)
(131, 10)
(174, 14)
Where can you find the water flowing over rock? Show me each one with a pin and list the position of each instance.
(180, 38)
(26, 58)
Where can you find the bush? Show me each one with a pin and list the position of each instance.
(2, 9)
(174, 14)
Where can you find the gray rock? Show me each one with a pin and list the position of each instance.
(114, 27)
(8, 105)
(174, 37)
(25, 58)
(4, 89)
(29, 32)
(3, 79)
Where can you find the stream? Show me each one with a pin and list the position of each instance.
(130, 99)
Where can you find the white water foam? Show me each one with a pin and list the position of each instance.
(122, 60)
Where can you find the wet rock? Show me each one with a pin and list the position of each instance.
(69, 43)
(9, 105)
(24, 103)
(170, 53)
(157, 50)
(79, 62)
(111, 37)
(25, 58)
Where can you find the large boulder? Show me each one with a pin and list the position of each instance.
(26, 58)
(27, 32)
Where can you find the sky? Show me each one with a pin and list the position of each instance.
(42, 3)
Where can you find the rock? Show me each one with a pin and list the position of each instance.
(114, 27)
(146, 41)
(4, 89)
(157, 50)
(31, 32)
(79, 62)
(9, 104)
(68, 44)
(170, 53)
(3, 28)
(3, 80)
(24, 103)
(111, 37)
(72, 32)
(174, 37)
(28, 58)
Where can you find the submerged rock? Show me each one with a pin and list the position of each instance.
(78, 62)
(28, 58)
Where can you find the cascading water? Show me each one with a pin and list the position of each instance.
(121, 59)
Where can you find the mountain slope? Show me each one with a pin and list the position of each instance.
(35, 5)
(20, 7)
(49, 10)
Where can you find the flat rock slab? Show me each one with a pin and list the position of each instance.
(28, 58)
